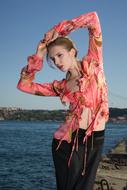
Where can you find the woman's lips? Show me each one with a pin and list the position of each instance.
(61, 67)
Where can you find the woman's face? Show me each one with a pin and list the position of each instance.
(62, 58)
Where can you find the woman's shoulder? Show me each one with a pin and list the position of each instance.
(59, 83)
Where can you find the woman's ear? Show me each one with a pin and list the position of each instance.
(72, 52)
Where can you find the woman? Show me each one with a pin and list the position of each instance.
(78, 142)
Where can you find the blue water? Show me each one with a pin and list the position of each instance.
(25, 153)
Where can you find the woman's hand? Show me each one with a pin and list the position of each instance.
(50, 35)
(41, 49)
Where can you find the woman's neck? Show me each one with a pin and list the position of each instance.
(74, 71)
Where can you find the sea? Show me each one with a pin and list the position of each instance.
(25, 153)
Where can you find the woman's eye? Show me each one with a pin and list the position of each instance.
(59, 55)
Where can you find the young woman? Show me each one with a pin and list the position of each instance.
(77, 144)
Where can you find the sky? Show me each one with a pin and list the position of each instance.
(23, 24)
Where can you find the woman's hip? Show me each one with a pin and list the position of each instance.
(95, 140)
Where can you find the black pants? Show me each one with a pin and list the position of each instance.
(71, 178)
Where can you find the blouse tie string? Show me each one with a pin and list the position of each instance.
(85, 155)
(75, 144)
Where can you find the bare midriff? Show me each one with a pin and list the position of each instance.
(83, 124)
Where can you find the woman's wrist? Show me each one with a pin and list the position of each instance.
(40, 55)
(41, 49)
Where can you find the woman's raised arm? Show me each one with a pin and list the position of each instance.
(90, 21)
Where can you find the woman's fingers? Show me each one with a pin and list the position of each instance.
(48, 35)
(51, 35)
(56, 34)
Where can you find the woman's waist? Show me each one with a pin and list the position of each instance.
(64, 131)
(99, 127)
(82, 132)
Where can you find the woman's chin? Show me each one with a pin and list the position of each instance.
(63, 69)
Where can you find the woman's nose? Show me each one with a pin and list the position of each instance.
(56, 61)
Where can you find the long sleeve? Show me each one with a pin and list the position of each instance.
(27, 85)
(90, 21)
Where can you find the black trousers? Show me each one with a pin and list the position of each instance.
(71, 178)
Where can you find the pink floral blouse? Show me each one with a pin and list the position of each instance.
(93, 91)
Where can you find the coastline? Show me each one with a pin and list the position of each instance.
(117, 115)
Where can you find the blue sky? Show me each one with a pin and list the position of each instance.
(24, 22)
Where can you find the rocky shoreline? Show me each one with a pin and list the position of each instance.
(112, 170)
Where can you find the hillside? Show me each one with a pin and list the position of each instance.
(117, 115)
